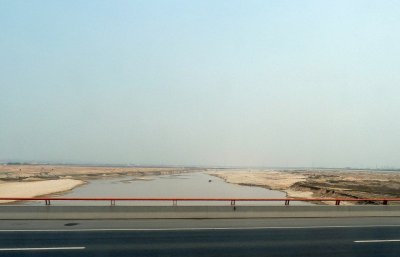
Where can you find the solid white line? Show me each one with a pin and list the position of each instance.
(188, 229)
(43, 248)
(377, 241)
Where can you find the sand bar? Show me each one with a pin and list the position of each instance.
(37, 188)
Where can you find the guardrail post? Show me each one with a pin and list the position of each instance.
(337, 202)
(174, 202)
(287, 202)
(385, 202)
(233, 202)
(47, 202)
(112, 202)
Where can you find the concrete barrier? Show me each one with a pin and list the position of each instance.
(192, 212)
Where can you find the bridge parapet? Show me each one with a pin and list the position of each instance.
(175, 200)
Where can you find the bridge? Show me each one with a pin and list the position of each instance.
(109, 208)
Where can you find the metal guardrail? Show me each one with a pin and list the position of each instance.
(232, 201)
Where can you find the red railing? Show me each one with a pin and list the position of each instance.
(232, 201)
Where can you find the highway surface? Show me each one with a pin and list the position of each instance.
(240, 237)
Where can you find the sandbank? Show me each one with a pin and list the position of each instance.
(37, 188)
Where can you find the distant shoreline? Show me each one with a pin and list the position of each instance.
(108, 165)
(20, 173)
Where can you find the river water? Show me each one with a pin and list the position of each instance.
(185, 185)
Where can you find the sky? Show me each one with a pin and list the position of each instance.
(215, 83)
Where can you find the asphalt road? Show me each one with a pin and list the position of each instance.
(259, 237)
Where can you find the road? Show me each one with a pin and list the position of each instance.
(241, 237)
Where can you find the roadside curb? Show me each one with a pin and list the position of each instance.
(192, 212)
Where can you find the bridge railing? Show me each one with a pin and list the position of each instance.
(232, 201)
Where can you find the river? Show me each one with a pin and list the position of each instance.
(185, 185)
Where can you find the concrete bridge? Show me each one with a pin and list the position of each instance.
(226, 210)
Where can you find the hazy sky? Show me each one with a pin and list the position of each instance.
(260, 83)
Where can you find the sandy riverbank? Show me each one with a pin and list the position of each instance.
(274, 180)
(36, 188)
(40, 172)
(39, 180)
(319, 183)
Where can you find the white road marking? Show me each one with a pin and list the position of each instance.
(187, 229)
(377, 241)
(43, 248)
